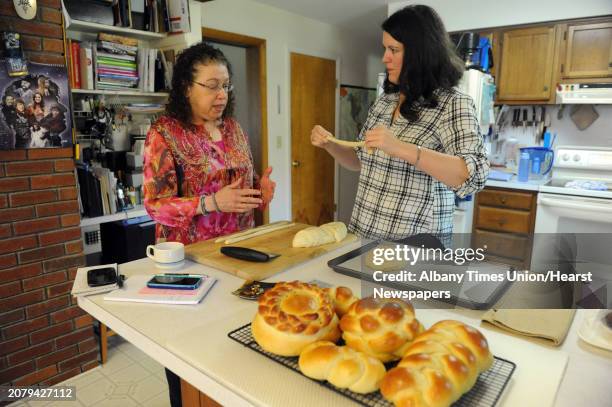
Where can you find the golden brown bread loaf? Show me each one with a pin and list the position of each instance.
(317, 236)
(292, 315)
(342, 366)
(382, 328)
(440, 366)
(342, 298)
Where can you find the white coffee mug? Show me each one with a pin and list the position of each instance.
(167, 252)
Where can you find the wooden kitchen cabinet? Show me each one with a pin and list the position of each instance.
(527, 58)
(588, 51)
(503, 222)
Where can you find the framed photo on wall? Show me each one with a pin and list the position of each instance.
(35, 108)
(355, 101)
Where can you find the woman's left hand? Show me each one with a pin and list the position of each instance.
(267, 187)
(382, 138)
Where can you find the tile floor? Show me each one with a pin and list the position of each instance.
(128, 378)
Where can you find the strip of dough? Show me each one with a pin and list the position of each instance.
(258, 233)
(250, 231)
(347, 143)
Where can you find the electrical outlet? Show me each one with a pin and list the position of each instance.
(279, 142)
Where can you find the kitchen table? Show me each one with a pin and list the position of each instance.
(192, 342)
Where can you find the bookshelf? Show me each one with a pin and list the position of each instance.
(138, 210)
(89, 27)
(119, 93)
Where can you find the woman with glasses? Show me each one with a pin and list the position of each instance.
(199, 181)
(422, 132)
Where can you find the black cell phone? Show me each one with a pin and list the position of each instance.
(101, 276)
(176, 281)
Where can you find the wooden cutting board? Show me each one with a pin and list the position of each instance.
(279, 242)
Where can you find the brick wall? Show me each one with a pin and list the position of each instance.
(45, 338)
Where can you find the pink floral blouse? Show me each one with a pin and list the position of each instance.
(174, 154)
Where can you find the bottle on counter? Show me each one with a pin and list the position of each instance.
(523, 167)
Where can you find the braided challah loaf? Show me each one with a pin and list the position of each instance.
(382, 328)
(342, 298)
(292, 315)
(317, 236)
(342, 366)
(438, 367)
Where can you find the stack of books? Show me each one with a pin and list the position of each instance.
(116, 62)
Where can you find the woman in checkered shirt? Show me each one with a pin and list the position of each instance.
(422, 134)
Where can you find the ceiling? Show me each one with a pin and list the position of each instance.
(346, 14)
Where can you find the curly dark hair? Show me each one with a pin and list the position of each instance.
(185, 67)
(430, 61)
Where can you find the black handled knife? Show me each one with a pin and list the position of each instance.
(244, 253)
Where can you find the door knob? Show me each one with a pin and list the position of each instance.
(295, 163)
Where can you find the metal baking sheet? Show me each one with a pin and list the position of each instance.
(468, 294)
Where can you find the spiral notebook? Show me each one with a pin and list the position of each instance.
(135, 290)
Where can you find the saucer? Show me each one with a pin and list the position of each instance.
(170, 266)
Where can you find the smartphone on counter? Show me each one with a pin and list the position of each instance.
(175, 281)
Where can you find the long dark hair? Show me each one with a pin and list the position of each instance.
(430, 61)
(183, 75)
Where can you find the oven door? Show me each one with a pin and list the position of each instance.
(573, 214)
(573, 234)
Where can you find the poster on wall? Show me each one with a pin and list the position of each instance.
(355, 101)
(35, 108)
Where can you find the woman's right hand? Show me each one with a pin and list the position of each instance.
(232, 198)
(319, 137)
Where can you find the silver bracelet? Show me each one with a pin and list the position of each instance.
(203, 205)
(217, 209)
(418, 156)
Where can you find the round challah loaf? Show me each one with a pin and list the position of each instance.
(292, 315)
(438, 367)
(342, 366)
(342, 298)
(382, 328)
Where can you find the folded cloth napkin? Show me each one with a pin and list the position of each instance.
(550, 325)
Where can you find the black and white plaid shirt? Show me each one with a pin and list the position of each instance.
(395, 200)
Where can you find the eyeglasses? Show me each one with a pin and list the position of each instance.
(227, 87)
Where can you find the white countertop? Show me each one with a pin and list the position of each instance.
(513, 183)
(192, 341)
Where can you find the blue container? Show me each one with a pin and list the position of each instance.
(523, 168)
(541, 161)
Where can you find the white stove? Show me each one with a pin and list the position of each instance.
(581, 164)
(573, 228)
(562, 209)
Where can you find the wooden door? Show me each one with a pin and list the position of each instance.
(588, 51)
(313, 101)
(527, 64)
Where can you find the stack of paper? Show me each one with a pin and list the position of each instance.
(135, 290)
(80, 286)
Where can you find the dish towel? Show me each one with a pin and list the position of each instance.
(550, 325)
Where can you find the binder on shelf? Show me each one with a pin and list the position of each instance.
(76, 65)
(178, 16)
(87, 68)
